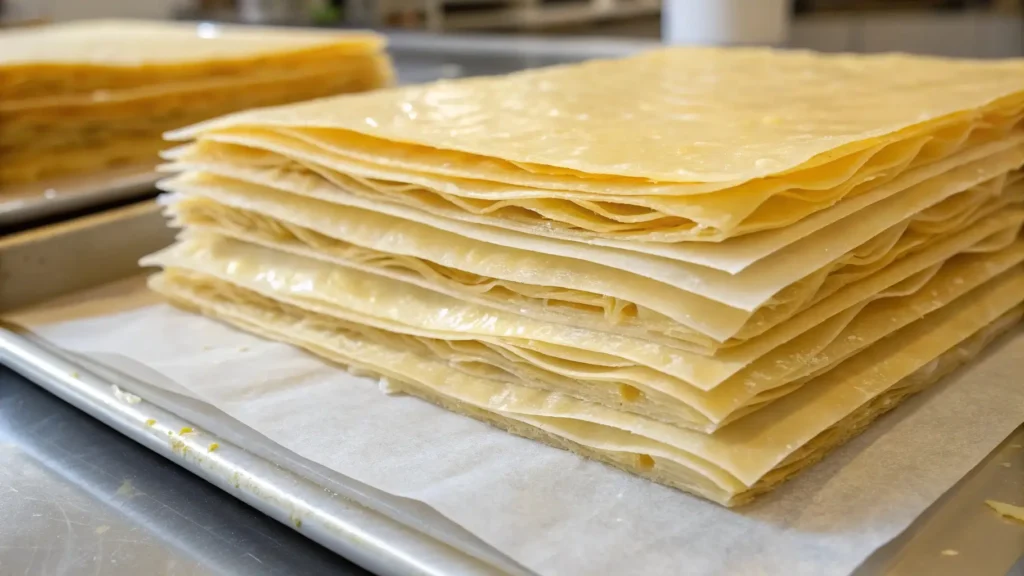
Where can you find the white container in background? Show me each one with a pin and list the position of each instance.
(725, 22)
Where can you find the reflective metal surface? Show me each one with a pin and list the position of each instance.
(959, 534)
(76, 497)
(29, 203)
(350, 519)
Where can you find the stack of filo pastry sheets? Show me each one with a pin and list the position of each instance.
(84, 97)
(705, 267)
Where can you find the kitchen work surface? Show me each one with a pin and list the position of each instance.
(534, 510)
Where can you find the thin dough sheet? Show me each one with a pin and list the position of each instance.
(649, 393)
(747, 291)
(746, 113)
(727, 467)
(655, 225)
(385, 303)
(560, 290)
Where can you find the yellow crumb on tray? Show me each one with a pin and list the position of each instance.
(1007, 510)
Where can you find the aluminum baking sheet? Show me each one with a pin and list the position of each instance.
(25, 203)
(381, 532)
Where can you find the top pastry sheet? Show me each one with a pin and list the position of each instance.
(703, 116)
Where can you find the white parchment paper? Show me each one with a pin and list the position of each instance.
(550, 510)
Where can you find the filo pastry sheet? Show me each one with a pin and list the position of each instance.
(710, 285)
(91, 95)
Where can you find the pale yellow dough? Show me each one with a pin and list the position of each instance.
(1007, 510)
(707, 267)
(747, 290)
(617, 220)
(689, 390)
(972, 166)
(567, 290)
(87, 96)
(745, 113)
(383, 302)
(638, 389)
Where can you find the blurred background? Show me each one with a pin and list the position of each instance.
(968, 28)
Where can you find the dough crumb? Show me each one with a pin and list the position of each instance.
(1007, 510)
(358, 372)
(387, 387)
(950, 552)
(1006, 464)
(125, 397)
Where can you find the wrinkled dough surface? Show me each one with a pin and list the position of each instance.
(386, 303)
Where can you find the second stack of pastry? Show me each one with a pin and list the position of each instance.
(86, 97)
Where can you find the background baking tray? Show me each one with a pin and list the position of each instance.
(26, 203)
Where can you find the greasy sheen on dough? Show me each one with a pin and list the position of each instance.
(615, 218)
(629, 374)
(730, 467)
(627, 117)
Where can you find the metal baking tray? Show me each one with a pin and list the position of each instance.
(25, 203)
(383, 533)
(352, 522)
